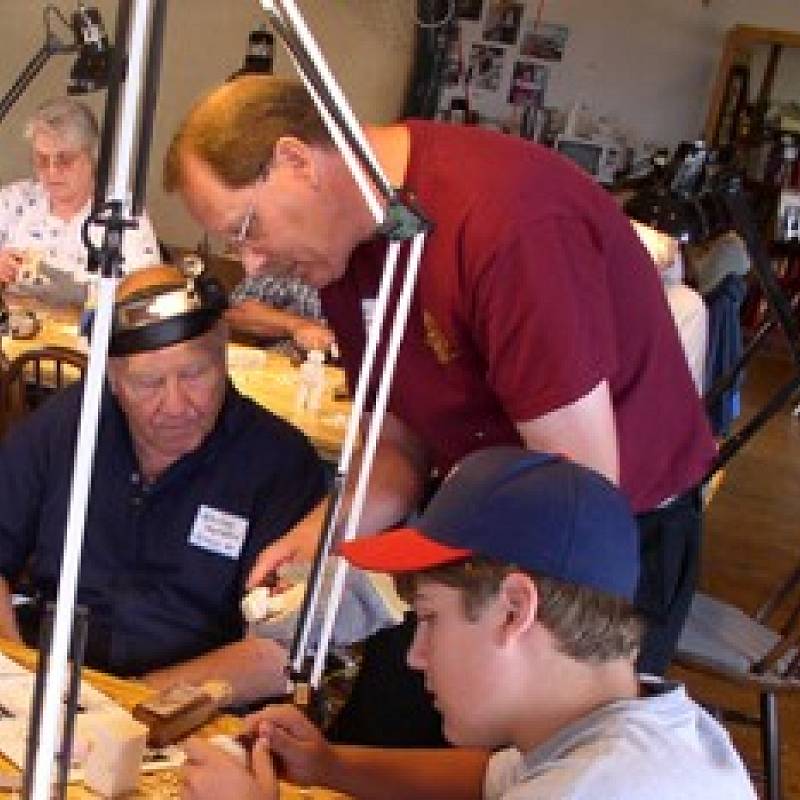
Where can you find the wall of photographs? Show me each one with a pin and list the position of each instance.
(499, 64)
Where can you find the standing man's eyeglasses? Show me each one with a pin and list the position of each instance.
(241, 237)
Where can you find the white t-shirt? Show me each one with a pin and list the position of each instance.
(662, 746)
(27, 224)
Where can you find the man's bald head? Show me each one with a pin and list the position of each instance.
(154, 278)
(234, 129)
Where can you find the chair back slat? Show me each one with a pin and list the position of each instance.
(778, 598)
(769, 662)
(782, 612)
(791, 623)
(793, 667)
(34, 374)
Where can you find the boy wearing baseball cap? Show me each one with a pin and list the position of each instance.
(522, 571)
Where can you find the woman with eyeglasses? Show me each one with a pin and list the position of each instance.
(41, 218)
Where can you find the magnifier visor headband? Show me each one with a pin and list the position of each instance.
(163, 315)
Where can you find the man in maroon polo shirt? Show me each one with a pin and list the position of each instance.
(538, 317)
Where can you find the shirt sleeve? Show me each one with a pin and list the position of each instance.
(285, 294)
(542, 316)
(22, 483)
(245, 290)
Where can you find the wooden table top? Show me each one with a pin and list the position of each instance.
(161, 784)
(268, 377)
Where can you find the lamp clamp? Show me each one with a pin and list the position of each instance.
(404, 218)
(107, 260)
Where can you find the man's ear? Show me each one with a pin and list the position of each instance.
(294, 154)
(519, 604)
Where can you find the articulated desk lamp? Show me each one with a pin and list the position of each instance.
(693, 198)
(126, 135)
(88, 39)
(119, 193)
(398, 220)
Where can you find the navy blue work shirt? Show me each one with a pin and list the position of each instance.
(157, 593)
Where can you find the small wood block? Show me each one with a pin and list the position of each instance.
(116, 747)
(178, 710)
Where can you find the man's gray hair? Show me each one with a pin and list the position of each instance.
(70, 121)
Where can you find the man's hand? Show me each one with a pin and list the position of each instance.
(396, 485)
(313, 336)
(11, 260)
(302, 754)
(212, 774)
(299, 544)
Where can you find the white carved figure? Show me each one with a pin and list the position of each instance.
(255, 604)
(311, 382)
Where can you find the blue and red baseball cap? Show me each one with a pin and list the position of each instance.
(537, 511)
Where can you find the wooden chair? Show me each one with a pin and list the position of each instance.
(759, 651)
(34, 375)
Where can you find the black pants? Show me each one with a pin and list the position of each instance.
(389, 707)
(670, 554)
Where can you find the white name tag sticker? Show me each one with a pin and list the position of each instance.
(368, 311)
(218, 532)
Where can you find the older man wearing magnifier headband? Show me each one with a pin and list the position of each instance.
(176, 513)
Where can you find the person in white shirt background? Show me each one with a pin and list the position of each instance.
(686, 305)
(41, 218)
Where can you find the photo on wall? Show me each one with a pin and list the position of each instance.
(528, 84)
(544, 40)
(485, 71)
(469, 9)
(503, 21)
